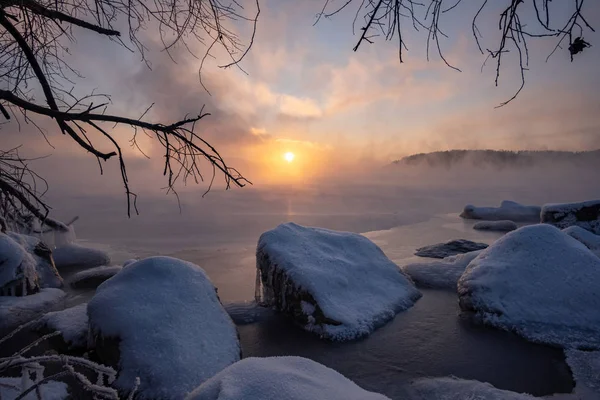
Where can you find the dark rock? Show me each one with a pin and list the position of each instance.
(451, 248)
(585, 215)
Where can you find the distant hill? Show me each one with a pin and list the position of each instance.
(501, 158)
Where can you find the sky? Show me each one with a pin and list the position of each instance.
(341, 113)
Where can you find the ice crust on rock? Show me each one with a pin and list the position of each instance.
(538, 282)
(339, 285)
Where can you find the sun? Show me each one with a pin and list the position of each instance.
(289, 156)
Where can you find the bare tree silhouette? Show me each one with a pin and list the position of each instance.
(36, 81)
(519, 21)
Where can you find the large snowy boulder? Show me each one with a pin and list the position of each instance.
(18, 310)
(451, 388)
(18, 275)
(338, 285)
(590, 240)
(451, 248)
(585, 214)
(91, 278)
(72, 323)
(508, 210)
(48, 276)
(440, 274)
(160, 320)
(540, 283)
(495, 226)
(73, 255)
(280, 378)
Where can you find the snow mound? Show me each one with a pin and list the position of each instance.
(91, 278)
(508, 210)
(10, 389)
(74, 255)
(44, 263)
(585, 366)
(497, 226)
(451, 248)
(17, 310)
(585, 215)
(280, 378)
(540, 283)
(163, 318)
(339, 285)
(590, 240)
(130, 261)
(451, 388)
(71, 322)
(442, 274)
(18, 276)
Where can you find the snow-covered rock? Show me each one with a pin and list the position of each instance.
(440, 273)
(508, 210)
(17, 310)
(339, 285)
(590, 240)
(585, 214)
(585, 367)
(74, 255)
(10, 389)
(451, 248)
(160, 320)
(540, 283)
(130, 261)
(48, 276)
(72, 324)
(451, 388)
(280, 378)
(497, 226)
(18, 276)
(91, 278)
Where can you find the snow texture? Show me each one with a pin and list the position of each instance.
(590, 240)
(17, 310)
(442, 274)
(130, 261)
(585, 215)
(71, 322)
(540, 283)
(451, 388)
(10, 389)
(280, 378)
(44, 264)
(18, 275)
(497, 226)
(172, 331)
(585, 366)
(508, 210)
(451, 248)
(74, 255)
(94, 276)
(351, 284)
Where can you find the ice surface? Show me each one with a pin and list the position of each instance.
(440, 273)
(540, 283)
(498, 226)
(450, 248)
(280, 378)
(47, 274)
(352, 285)
(451, 388)
(71, 322)
(508, 210)
(17, 310)
(94, 276)
(590, 240)
(74, 255)
(585, 366)
(10, 389)
(174, 334)
(585, 214)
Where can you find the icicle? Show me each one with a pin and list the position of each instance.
(13, 290)
(24, 291)
(258, 287)
(100, 380)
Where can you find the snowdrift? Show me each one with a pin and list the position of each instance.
(160, 319)
(91, 278)
(338, 285)
(73, 255)
(278, 378)
(72, 324)
(540, 283)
